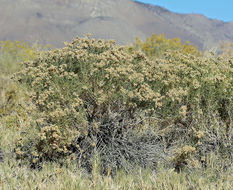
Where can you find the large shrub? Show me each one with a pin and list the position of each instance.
(90, 95)
(197, 89)
(93, 96)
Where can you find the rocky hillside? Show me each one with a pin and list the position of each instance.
(55, 21)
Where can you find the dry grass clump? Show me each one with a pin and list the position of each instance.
(55, 177)
(119, 143)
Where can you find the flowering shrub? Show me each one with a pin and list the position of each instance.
(84, 83)
(93, 94)
(197, 91)
(195, 85)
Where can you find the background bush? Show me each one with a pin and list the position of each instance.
(197, 108)
(12, 53)
(156, 45)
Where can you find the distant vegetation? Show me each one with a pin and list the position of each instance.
(95, 115)
(156, 45)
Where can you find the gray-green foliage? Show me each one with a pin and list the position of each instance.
(95, 100)
(89, 95)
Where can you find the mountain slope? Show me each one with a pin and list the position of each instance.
(55, 21)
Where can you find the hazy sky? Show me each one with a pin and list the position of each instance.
(218, 9)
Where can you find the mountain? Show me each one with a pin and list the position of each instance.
(56, 21)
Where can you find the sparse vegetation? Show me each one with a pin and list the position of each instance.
(94, 115)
